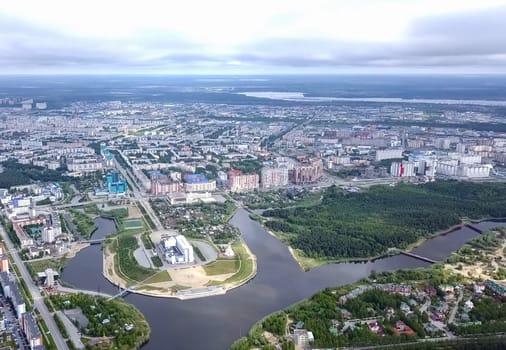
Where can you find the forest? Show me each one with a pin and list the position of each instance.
(366, 224)
(16, 174)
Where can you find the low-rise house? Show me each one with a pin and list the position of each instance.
(405, 308)
(376, 328)
(402, 328)
(390, 311)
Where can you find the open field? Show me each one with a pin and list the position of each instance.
(162, 276)
(132, 224)
(222, 266)
(41, 265)
(246, 270)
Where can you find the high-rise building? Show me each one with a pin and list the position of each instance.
(274, 177)
(115, 183)
(383, 154)
(308, 171)
(238, 182)
(402, 169)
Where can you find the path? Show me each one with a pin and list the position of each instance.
(72, 331)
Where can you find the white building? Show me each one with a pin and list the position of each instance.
(208, 186)
(49, 234)
(383, 154)
(464, 170)
(402, 169)
(447, 168)
(177, 250)
(41, 105)
(474, 170)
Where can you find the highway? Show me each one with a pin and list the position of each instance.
(138, 195)
(38, 301)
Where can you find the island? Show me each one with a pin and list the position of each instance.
(140, 259)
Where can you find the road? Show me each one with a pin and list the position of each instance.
(38, 301)
(455, 307)
(138, 195)
(71, 330)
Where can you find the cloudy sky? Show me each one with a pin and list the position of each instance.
(257, 37)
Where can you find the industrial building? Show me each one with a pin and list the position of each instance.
(177, 250)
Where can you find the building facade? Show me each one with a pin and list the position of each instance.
(308, 171)
(239, 182)
(274, 177)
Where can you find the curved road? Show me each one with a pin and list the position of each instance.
(38, 301)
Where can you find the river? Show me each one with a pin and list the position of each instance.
(214, 323)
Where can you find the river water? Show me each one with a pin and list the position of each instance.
(214, 323)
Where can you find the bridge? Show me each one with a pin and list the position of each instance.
(419, 257)
(84, 291)
(122, 292)
(93, 241)
(474, 228)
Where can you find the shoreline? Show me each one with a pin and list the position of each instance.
(182, 294)
(307, 263)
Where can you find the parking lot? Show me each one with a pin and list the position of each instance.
(12, 324)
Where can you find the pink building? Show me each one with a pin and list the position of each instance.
(238, 182)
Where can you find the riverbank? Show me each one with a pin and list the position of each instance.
(307, 263)
(279, 283)
(187, 282)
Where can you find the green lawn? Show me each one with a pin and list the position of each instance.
(126, 245)
(42, 265)
(246, 266)
(132, 224)
(162, 276)
(84, 223)
(220, 267)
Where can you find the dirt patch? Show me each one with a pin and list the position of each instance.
(156, 236)
(76, 248)
(109, 271)
(480, 269)
(134, 212)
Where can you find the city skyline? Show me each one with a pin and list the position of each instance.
(225, 37)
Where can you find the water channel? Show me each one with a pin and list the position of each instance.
(215, 322)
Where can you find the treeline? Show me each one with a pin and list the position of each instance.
(118, 313)
(368, 223)
(248, 166)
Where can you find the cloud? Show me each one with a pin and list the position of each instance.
(470, 39)
(463, 40)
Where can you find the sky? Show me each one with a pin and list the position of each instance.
(252, 36)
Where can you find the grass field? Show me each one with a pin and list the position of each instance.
(220, 267)
(162, 276)
(132, 224)
(42, 265)
(125, 246)
(246, 266)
